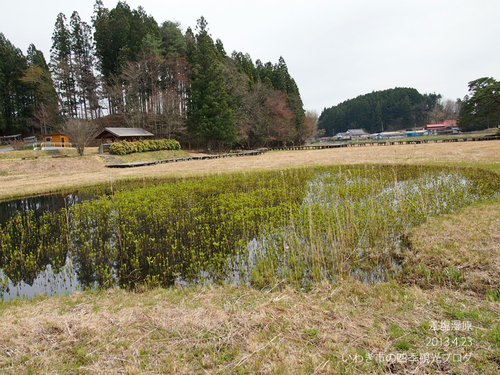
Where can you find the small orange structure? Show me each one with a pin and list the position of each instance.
(55, 140)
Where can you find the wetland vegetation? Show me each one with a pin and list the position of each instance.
(295, 226)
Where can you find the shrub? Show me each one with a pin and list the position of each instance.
(124, 147)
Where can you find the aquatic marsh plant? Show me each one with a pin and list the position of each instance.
(29, 243)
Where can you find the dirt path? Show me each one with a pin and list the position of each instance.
(110, 159)
(22, 177)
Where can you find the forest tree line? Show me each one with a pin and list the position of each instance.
(126, 69)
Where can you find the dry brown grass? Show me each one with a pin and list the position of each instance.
(229, 329)
(467, 241)
(23, 177)
(225, 330)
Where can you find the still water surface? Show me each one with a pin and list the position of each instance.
(47, 282)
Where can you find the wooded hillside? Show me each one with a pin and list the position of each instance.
(391, 109)
(174, 83)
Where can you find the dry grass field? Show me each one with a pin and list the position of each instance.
(23, 177)
(441, 316)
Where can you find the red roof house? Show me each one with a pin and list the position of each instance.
(447, 126)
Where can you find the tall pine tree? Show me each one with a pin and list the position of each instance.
(62, 67)
(83, 66)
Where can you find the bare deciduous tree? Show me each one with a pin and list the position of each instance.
(310, 128)
(80, 132)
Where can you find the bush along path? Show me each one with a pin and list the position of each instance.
(124, 147)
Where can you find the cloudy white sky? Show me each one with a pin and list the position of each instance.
(334, 49)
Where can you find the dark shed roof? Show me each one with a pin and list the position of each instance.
(125, 132)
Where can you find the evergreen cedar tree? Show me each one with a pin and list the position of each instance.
(144, 74)
(210, 119)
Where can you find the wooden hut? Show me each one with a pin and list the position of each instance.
(111, 135)
(55, 140)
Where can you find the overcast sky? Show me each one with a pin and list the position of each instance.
(335, 49)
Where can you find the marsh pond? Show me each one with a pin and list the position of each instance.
(296, 226)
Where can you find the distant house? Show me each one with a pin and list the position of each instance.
(111, 135)
(342, 136)
(387, 135)
(415, 133)
(448, 126)
(352, 134)
(358, 134)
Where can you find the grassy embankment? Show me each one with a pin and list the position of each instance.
(47, 174)
(330, 329)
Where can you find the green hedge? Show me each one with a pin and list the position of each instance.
(124, 147)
